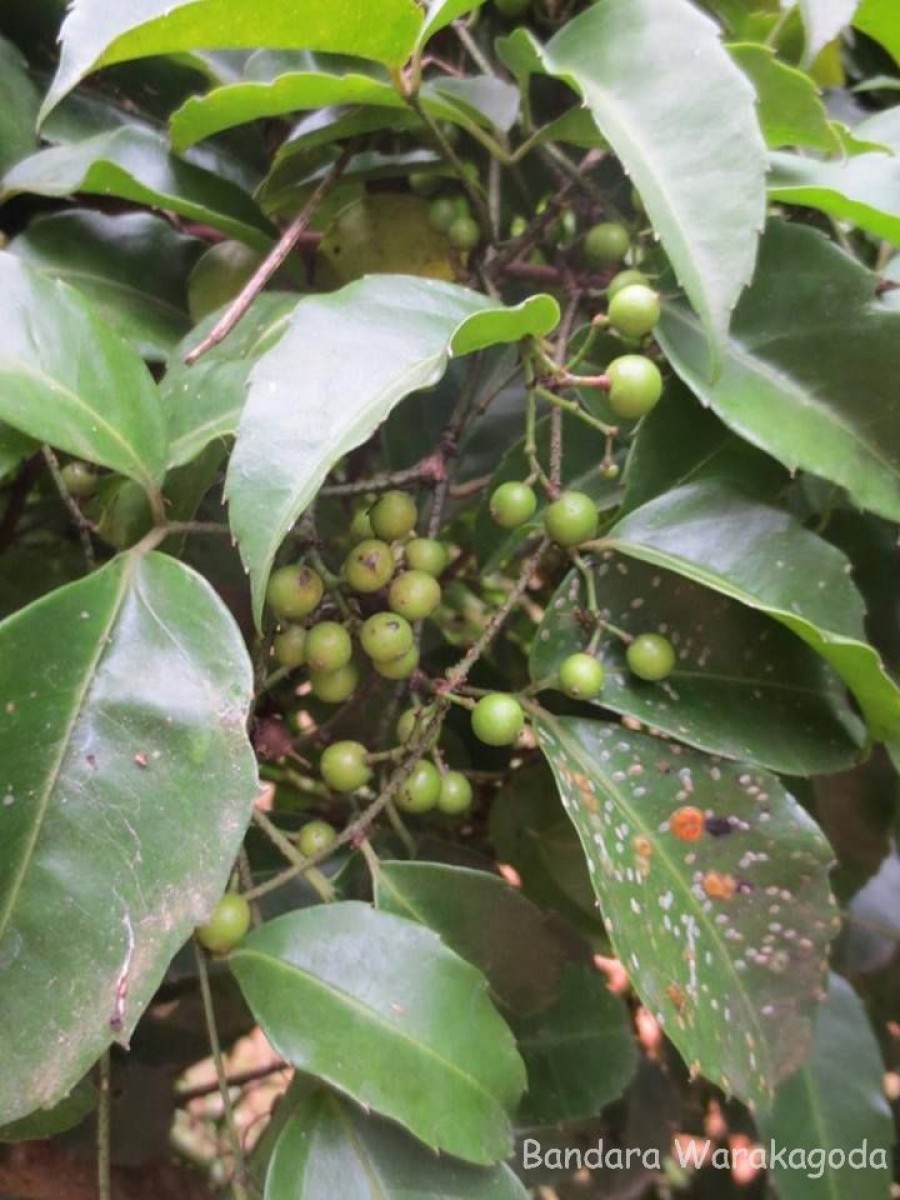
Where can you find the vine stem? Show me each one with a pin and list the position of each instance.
(104, 1175)
(275, 259)
(238, 1187)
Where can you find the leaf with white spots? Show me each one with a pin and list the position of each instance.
(793, 712)
(714, 885)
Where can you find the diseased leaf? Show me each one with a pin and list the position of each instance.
(764, 558)
(864, 189)
(808, 368)
(117, 838)
(791, 112)
(383, 234)
(370, 1004)
(345, 360)
(67, 379)
(651, 72)
(725, 937)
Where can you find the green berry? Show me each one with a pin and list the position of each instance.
(625, 279)
(572, 519)
(393, 516)
(406, 724)
(334, 687)
(497, 719)
(80, 479)
(294, 592)
(386, 636)
(227, 925)
(606, 243)
(361, 527)
(428, 555)
(610, 470)
(369, 566)
(636, 385)
(456, 794)
(634, 311)
(328, 647)
(442, 212)
(424, 183)
(512, 504)
(464, 233)
(290, 647)
(414, 595)
(398, 668)
(315, 838)
(651, 656)
(344, 767)
(581, 676)
(421, 791)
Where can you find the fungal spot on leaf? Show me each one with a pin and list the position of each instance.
(687, 824)
(718, 886)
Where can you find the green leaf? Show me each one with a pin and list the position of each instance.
(580, 1056)
(794, 717)
(681, 117)
(371, 1004)
(133, 163)
(835, 1105)
(329, 1148)
(133, 266)
(440, 14)
(725, 938)
(14, 446)
(811, 343)
(767, 560)
(44, 1123)
(19, 102)
(485, 921)
(135, 685)
(203, 402)
(69, 380)
(791, 112)
(864, 189)
(345, 361)
(878, 19)
(823, 21)
(97, 33)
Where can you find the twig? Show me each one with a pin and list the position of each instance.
(273, 260)
(82, 524)
(104, 1179)
(294, 857)
(239, 1079)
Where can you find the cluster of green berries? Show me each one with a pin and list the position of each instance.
(569, 521)
(449, 213)
(650, 657)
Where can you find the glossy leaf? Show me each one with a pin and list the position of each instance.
(823, 21)
(135, 684)
(203, 402)
(46, 1123)
(67, 379)
(485, 921)
(833, 1106)
(328, 1147)
(344, 362)
(878, 19)
(370, 1003)
(651, 72)
(133, 163)
(725, 938)
(97, 33)
(133, 266)
(580, 1056)
(811, 343)
(731, 659)
(791, 112)
(862, 189)
(18, 106)
(440, 13)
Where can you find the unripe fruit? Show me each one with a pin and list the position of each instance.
(464, 233)
(393, 516)
(442, 212)
(227, 925)
(80, 479)
(428, 555)
(606, 243)
(572, 519)
(625, 279)
(315, 838)
(651, 656)
(497, 719)
(334, 687)
(456, 794)
(360, 527)
(414, 595)
(290, 647)
(610, 470)
(634, 311)
(294, 592)
(386, 636)
(636, 385)
(399, 668)
(512, 504)
(369, 566)
(581, 676)
(424, 183)
(406, 724)
(343, 766)
(328, 647)
(421, 791)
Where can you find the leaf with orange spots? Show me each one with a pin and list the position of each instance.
(725, 938)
